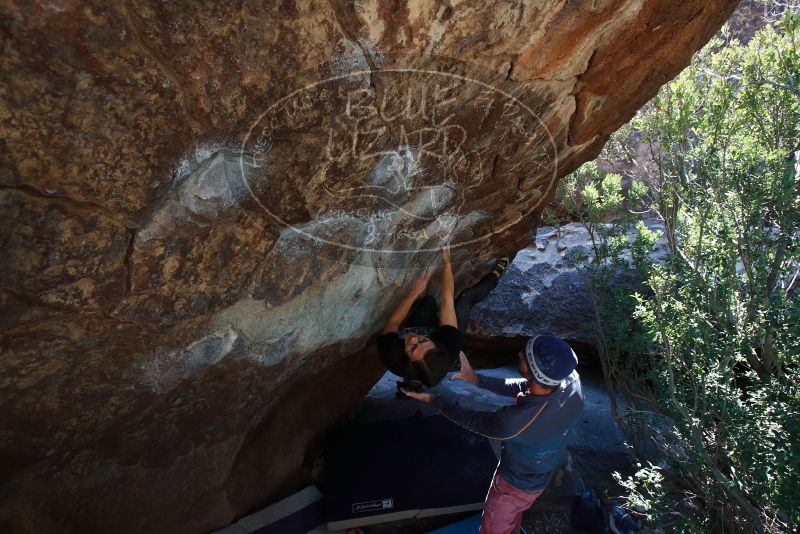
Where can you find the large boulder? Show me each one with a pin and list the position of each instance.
(209, 208)
(544, 292)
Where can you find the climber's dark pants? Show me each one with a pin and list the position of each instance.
(425, 311)
(471, 296)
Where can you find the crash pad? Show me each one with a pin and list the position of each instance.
(405, 468)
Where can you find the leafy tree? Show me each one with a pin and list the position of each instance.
(710, 366)
(619, 249)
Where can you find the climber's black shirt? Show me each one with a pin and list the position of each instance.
(390, 349)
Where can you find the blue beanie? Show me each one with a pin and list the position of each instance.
(550, 359)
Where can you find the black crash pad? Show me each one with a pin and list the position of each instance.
(415, 467)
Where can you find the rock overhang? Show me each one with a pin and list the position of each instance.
(138, 272)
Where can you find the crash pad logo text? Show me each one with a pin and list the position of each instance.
(372, 506)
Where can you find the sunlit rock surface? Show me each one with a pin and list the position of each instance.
(209, 209)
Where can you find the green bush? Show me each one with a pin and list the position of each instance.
(707, 350)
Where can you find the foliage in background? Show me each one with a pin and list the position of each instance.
(619, 249)
(710, 365)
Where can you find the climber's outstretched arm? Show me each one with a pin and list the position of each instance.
(447, 308)
(402, 309)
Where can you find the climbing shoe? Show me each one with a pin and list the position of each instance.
(501, 265)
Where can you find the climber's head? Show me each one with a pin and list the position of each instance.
(417, 346)
(437, 363)
(430, 360)
(547, 360)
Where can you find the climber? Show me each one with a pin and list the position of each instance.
(428, 344)
(532, 432)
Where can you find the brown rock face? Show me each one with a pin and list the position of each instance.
(208, 209)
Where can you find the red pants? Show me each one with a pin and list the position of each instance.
(502, 512)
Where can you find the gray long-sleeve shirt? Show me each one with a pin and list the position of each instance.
(533, 431)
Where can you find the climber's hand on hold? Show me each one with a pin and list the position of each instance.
(446, 255)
